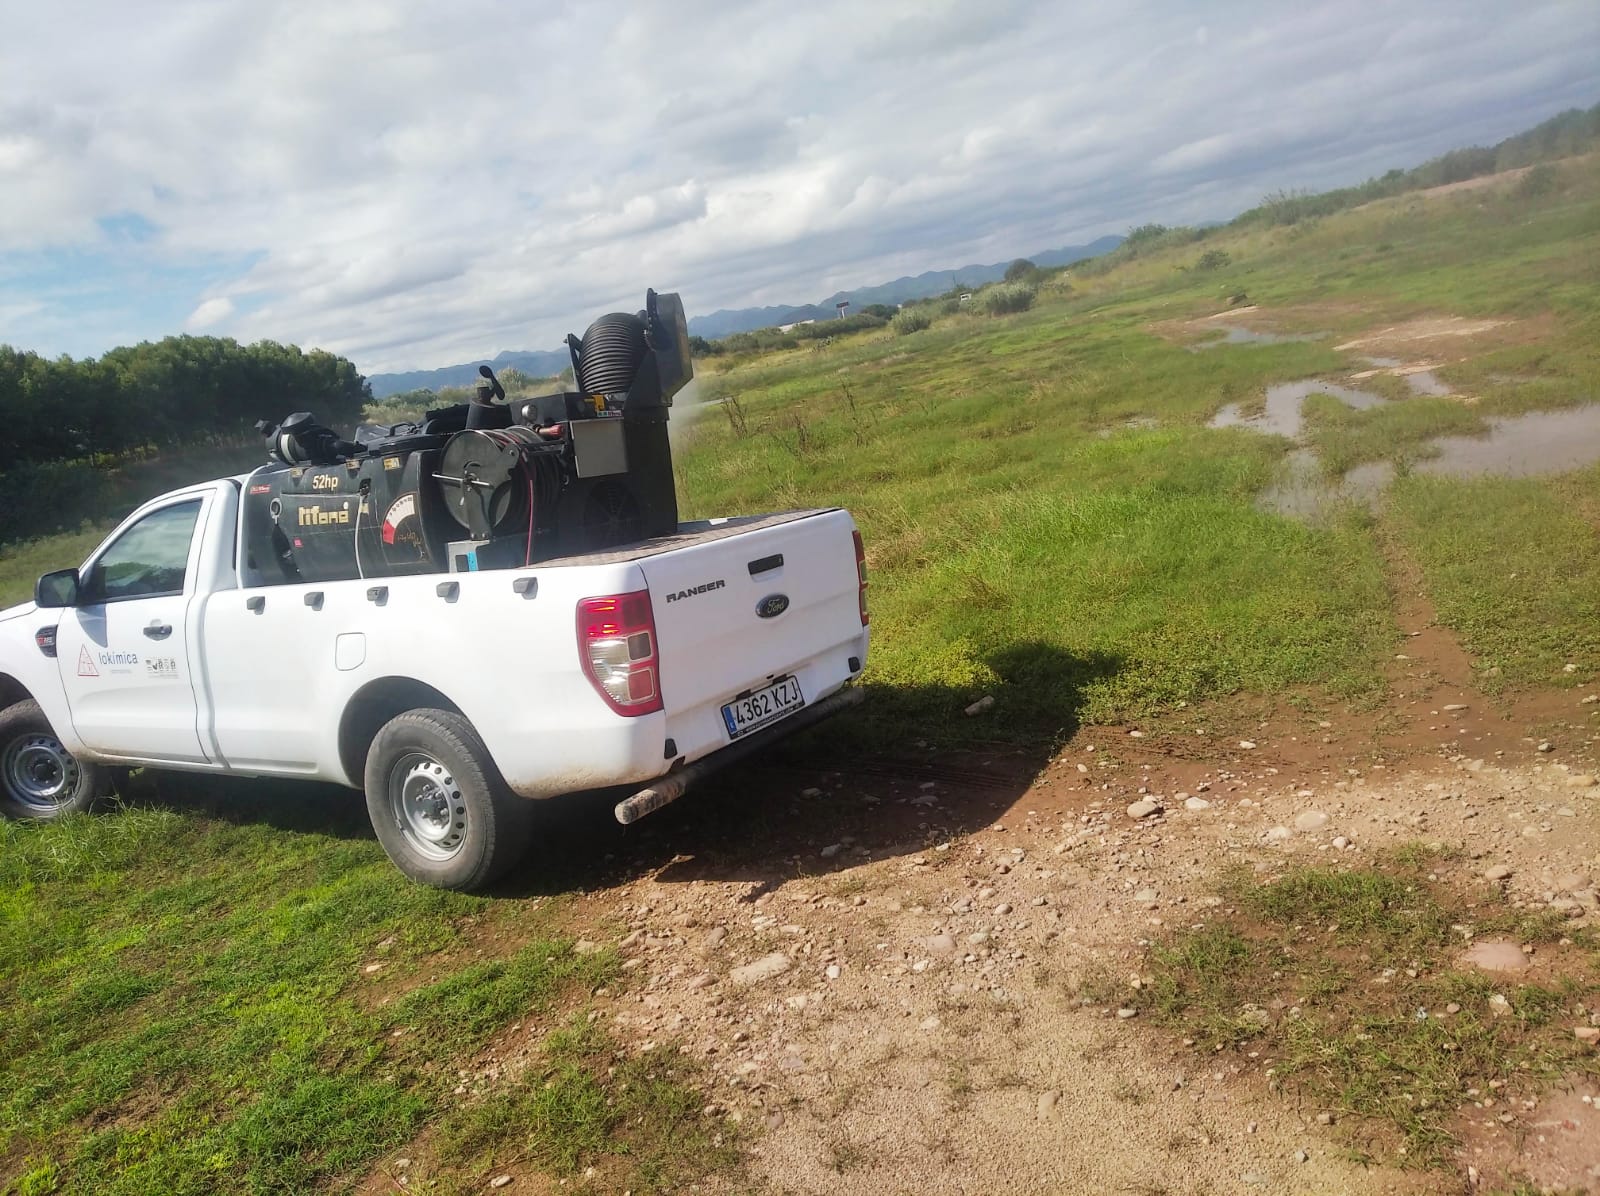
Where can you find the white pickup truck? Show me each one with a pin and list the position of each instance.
(452, 699)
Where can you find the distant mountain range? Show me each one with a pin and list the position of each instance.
(547, 363)
(901, 290)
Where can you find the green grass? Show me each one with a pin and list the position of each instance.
(587, 1104)
(1514, 567)
(1399, 432)
(187, 1007)
(1340, 981)
(1048, 519)
(21, 563)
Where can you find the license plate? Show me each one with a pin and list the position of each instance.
(756, 710)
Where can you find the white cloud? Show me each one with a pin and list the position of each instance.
(209, 314)
(414, 184)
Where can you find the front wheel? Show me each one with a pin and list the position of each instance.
(438, 805)
(39, 778)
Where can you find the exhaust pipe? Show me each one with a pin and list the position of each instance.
(675, 784)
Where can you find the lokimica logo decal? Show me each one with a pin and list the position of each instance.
(693, 590)
(86, 663)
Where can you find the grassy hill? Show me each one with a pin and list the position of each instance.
(1049, 518)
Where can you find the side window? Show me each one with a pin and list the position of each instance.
(148, 560)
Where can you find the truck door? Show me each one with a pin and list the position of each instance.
(123, 650)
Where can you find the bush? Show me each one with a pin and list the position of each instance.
(1212, 259)
(1021, 270)
(910, 320)
(1006, 298)
(1538, 182)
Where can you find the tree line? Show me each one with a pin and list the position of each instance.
(173, 393)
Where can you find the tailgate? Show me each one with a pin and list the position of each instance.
(714, 642)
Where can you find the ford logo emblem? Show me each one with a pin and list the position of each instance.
(772, 606)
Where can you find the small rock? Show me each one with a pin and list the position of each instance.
(1310, 820)
(581, 947)
(1324, 1118)
(1126, 1012)
(982, 704)
(1047, 1104)
(811, 792)
(831, 850)
(1196, 803)
(1142, 809)
(714, 939)
(1497, 872)
(1452, 1008)
(1278, 834)
(1581, 780)
(833, 971)
(1589, 1034)
(499, 1181)
(1499, 1006)
(372, 967)
(1254, 1015)
(1003, 908)
(1572, 882)
(1452, 707)
(1253, 1179)
(930, 1023)
(1546, 746)
(766, 968)
(1341, 842)
(1302, 1156)
(1247, 744)
(401, 1164)
(940, 944)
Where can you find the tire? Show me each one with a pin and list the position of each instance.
(438, 805)
(39, 778)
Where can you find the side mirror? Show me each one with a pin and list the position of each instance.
(57, 589)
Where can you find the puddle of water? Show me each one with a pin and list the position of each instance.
(1281, 415)
(1428, 385)
(1540, 442)
(1521, 446)
(1249, 336)
(1421, 380)
(1303, 491)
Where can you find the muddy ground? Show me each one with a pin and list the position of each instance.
(892, 975)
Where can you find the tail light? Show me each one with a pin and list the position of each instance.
(861, 577)
(617, 645)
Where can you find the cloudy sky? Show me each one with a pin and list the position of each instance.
(413, 183)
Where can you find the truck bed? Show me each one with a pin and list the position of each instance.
(698, 531)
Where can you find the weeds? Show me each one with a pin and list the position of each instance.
(1341, 980)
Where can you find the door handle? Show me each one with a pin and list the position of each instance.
(158, 631)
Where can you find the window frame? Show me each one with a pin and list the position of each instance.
(91, 595)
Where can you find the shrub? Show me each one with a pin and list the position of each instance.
(910, 320)
(1213, 259)
(1021, 270)
(1539, 181)
(1006, 298)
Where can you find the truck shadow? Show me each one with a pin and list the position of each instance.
(897, 775)
(869, 785)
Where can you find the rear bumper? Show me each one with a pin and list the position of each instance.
(673, 786)
(587, 746)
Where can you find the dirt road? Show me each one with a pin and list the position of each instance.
(903, 977)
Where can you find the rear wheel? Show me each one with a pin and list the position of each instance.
(39, 778)
(438, 805)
